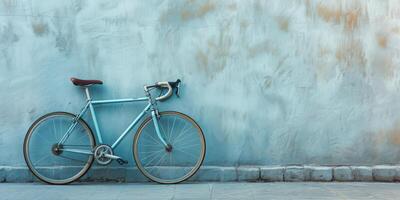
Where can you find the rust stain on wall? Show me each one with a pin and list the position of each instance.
(351, 19)
(329, 14)
(382, 40)
(283, 23)
(351, 54)
(348, 17)
(263, 47)
(39, 28)
(395, 136)
(388, 136)
(213, 59)
(199, 11)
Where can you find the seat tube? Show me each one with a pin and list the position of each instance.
(94, 118)
(96, 125)
(155, 121)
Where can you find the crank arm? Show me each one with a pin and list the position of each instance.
(114, 157)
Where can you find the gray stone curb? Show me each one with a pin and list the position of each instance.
(294, 173)
(272, 173)
(383, 173)
(343, 173)
(362, 173)
(318, 173)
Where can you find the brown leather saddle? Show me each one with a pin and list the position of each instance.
(82, 82)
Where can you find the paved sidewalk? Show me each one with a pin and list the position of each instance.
(242, 191)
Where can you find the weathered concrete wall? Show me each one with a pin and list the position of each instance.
(271, 82)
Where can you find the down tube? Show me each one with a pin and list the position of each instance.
(130, 126)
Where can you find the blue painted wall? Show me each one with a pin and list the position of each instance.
(271, 82)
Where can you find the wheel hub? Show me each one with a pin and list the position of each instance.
(56, 149)
(100, 152)
(168, 148)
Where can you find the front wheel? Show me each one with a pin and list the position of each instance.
(182, 156)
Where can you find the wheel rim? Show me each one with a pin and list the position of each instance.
(46, 159)
(180, 159)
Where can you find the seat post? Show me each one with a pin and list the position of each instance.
(87, 94)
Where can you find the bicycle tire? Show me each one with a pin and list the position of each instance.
(27, 153)
(193, 170)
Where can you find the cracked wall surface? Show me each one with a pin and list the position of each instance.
(270, 82)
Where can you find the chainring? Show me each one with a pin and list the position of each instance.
(99, 153)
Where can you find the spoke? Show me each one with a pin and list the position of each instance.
(186, 138)
(186, 153)
(177, 136)
(150, 145)
(151, 151)
(73, 159)
(188, 146)
(170, 158)
(157, 144)
(169, 163)
(41, 159)
(172, 129)
(190, 140)
(184, 135)
(84, 134)
(44, 138)
(151, 161)
(68, 133)
(61, 130)
(166, 132)
(183, 131)
(150, 155)
(54, 130)
(163, 131)
(161, 159)
(155, 139)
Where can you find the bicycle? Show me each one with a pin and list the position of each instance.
(168, 147)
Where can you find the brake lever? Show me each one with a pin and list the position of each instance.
(177, 91)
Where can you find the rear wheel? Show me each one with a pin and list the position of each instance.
(177, 161)
(56, 163)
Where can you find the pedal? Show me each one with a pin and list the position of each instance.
(122, 161)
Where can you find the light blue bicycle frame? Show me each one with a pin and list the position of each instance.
(90, 105)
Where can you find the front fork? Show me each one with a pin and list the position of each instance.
(155, 117)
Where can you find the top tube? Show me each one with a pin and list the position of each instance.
(118, 100)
